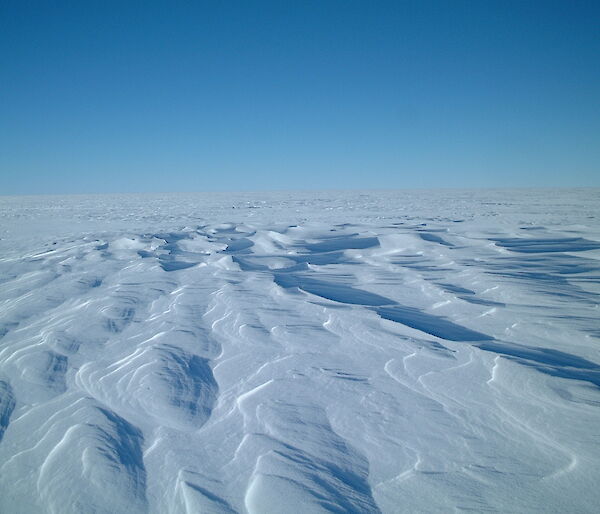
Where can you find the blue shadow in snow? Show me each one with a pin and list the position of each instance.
(432, 238)
(125, 442)
(548, 361)
(343, 243)
(172, 265)
(7, 405)
(567, 244)
(238, 245)
(385, 307)
(433, 325)
(335, 292)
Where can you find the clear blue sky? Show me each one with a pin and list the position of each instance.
(103, 96)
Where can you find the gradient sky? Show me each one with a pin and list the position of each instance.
(128, 96)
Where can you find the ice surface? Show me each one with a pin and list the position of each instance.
(423, 351)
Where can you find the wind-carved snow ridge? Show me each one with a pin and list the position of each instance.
(300, 352)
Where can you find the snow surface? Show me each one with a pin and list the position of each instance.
(431, 351)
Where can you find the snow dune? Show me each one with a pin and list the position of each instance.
(300, 352)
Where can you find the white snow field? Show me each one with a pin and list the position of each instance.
(396, 351)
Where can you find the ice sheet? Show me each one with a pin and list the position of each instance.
(381, 351)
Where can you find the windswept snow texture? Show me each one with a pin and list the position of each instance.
(300, 352)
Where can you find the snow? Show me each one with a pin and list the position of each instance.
(380, 351)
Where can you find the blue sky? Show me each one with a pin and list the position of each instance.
(128, 96)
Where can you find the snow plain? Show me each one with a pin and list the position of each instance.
(416, 351)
